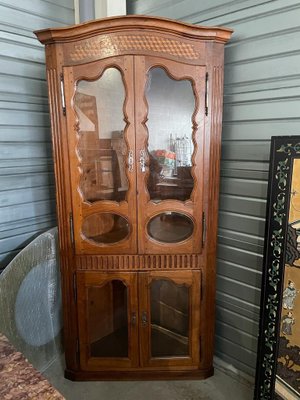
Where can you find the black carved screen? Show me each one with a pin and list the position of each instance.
(278, 362)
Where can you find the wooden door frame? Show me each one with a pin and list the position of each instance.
(98, 279)
(191, 278)
(192, 207)
(82, 208)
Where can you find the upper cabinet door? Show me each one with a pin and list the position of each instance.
(101, 143)
(170, 111)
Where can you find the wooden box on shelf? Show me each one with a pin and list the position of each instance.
(137, 232)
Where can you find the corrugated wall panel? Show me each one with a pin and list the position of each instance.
(261, 99)
(27, 204)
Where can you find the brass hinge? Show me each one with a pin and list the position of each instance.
(75, 287)
(62, 93)
(203, 229)
(206, 93)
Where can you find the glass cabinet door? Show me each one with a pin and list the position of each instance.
(101, 151)
(171, 105)
(170, 101)
(108, 320)
(170, 319)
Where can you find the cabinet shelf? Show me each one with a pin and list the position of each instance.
(166, 343)
(113, 345)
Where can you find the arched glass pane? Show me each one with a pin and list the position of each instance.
(171, 104)
(169, 304)
(107, 320)
(170, 227)
(101, 146)
(105, 228)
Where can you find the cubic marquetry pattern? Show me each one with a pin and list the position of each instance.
(106, 46)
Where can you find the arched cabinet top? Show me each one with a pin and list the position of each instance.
(135, 35)
(129, 23)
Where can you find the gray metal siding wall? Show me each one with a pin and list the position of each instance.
(262, 93)
(27, 204)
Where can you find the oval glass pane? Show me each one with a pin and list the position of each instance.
(170, 227)
(105, 228)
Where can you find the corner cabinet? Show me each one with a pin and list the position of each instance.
(136, 113)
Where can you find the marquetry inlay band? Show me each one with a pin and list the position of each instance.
(139, 262)
(106, 46)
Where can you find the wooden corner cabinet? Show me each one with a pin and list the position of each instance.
(136, 114)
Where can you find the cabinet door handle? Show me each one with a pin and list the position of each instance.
(130, 161)
(144, 318)
(133, 318)
(142, 160)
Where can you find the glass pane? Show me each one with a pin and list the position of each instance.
(105, 228)
(101, 146)
(170, 227)
(171, 106)
(107, 320)
(169, 319)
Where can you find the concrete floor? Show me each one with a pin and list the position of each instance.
(219, 387)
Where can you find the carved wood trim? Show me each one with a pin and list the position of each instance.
(216, 130)
(62, 209)
(139, 262)
(209, 272)
(130, 22)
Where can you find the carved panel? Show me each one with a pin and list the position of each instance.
(139, 262)
(112, 45)
(61, 199)
(216, 129)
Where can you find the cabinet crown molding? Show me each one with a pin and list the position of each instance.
(129, 22)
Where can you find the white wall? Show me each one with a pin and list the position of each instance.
(109, 8)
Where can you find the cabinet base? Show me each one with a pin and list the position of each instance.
(137, 375)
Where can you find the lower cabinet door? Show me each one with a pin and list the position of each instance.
(169, 311)
(108, 320)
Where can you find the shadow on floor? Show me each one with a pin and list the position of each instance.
(219, 387)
